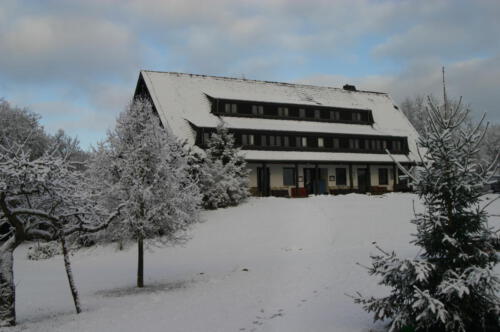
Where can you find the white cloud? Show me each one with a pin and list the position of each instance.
(90, 51)
(475, 80)
(36, 48)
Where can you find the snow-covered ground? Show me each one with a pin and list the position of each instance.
(271, 264)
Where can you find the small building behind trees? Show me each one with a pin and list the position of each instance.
(297, 139)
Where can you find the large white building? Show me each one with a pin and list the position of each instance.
(296, 138)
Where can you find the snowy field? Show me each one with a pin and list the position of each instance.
(271, 264)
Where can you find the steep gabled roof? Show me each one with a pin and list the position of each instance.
(181, 99)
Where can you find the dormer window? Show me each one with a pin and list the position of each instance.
(317, 114)
(301, 141)
(286, 141)
(336, 143)
(321, 142)
(396, 145)
(231, 108)
(257, 110)
(354, 143)
(283, 111)
(335, 115)
(247, 139)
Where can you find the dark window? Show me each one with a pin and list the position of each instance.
(341, 176)
(396, 145)
(257, 110)
(302, 113)
(356, 116)
(247, 139)
(383, 177)
(353, 143)
(275, 140)
(230, 108)
(286, 141)
(301, 141)
(336, 143)
(283, 111)
(334, 115)
(263, 140)
(206, 138)
(288, 176)
(344, 143)
(317, 114)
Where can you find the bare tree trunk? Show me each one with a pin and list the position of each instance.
(140, 262)
(69, 273)
(7, 286)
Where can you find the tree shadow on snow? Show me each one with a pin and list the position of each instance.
(147, 289)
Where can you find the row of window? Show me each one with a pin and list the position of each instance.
(289, 176)
(293, 112)
(316, 142)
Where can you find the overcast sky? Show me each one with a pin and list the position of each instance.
(76, 62)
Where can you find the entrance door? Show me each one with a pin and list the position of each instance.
(309, 175)
(363, 180)
(263, 181)
(316, 184)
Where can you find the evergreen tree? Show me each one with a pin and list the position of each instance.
(144, 168)
(222, 173)
(451, 285)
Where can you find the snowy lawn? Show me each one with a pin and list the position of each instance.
(271, 264)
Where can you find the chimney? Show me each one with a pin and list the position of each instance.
(349, 87)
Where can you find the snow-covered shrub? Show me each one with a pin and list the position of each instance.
(42, 251)
(451, 285)
(144, 167)
(222, 174)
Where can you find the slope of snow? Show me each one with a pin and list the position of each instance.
(300, 255)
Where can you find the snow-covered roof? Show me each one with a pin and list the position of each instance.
(181, 99)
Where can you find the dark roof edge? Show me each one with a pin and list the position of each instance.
(261, 81)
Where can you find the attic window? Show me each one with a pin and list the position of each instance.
(335, 115)
(283, 111)
(354, 143)
(257, 110)
(230, 108)
(321, 142)
(301, 141)
(247, 139)
(356, 116)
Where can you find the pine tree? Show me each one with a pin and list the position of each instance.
(451, 285)
(144, 168)
(222, 174)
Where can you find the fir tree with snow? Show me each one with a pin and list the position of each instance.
(451, 285)
(144, 167)
(223, 176)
